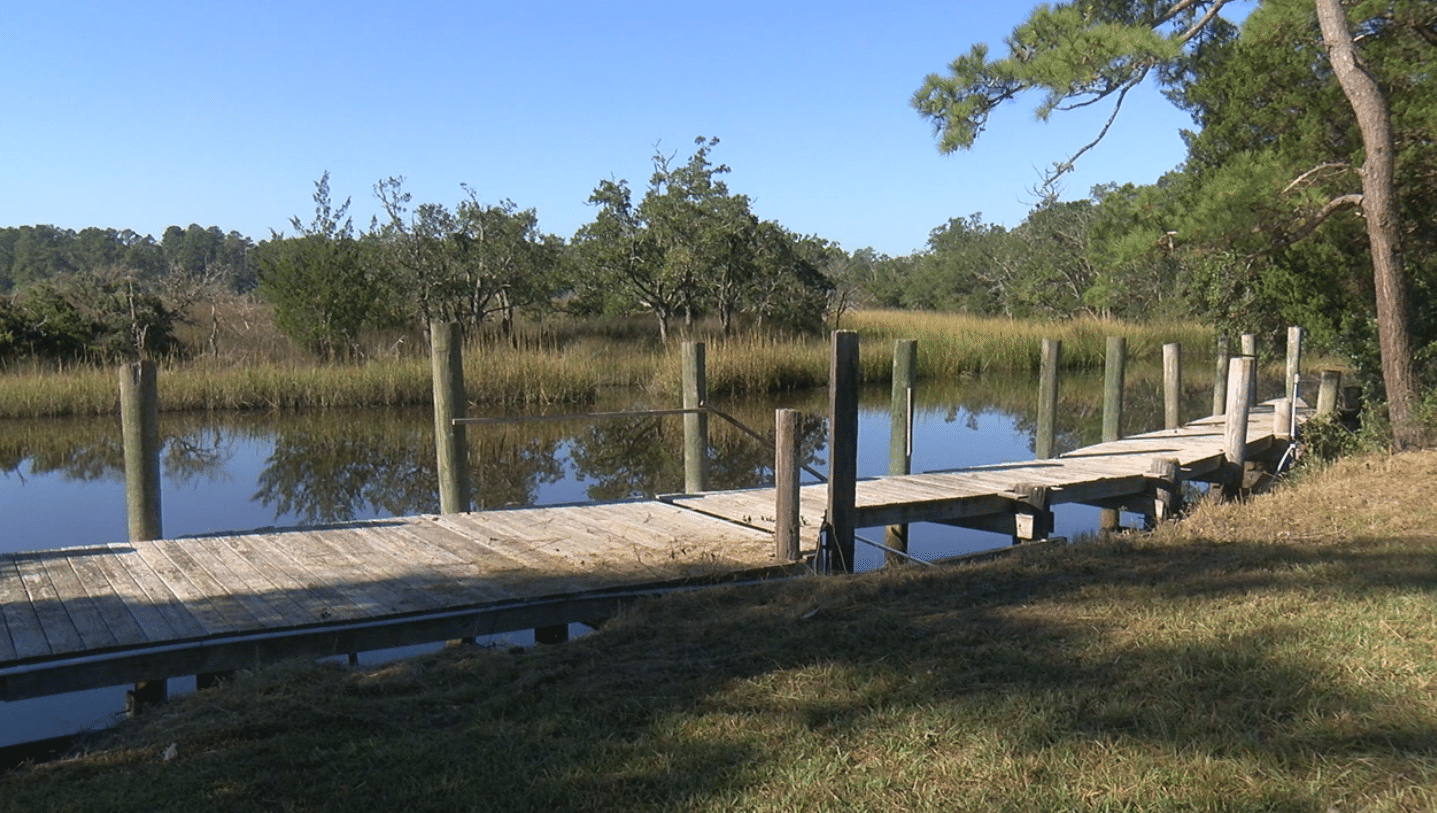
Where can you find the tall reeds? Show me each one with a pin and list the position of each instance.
(570, 363)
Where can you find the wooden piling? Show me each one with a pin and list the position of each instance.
(1033, 514)
(1045, 439)
(843, 380)
(1165, 485)
(446, 347)
(1327, 392)
(1239, 397)
(1219, 386)
(140, 429)
(140, 434)
(787, 435)
(1172, 385)
(696, 425)
(1282, 419)
(900, 434)
(1249, 349)
(1114, 371)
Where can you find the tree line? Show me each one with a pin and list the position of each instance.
(687, 249)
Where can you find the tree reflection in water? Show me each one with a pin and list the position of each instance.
(340, 465)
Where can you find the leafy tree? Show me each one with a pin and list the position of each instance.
(1095, 52)
(691, 247)
(322, 291)
(467, 264)
(790, 285)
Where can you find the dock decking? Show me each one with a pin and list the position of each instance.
(88, 617)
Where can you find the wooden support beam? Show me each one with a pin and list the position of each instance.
(843, 377)
(900, 435)
(1219, 386)
(1172, 385)
(1047, 432)
(1165, 487)
(446, 346)
(696, 424)
(787, 523)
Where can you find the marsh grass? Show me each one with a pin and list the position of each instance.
(1274, 655)
(568, 361)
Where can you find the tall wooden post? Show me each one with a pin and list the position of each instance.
(446, 347)
(1327, 393)
(1294, 360)
(140, 432)
(1172, 385)
(900, 433)
(1249, 349)
(1113, 375)
(1219, 385)
(1239, 399)
(842, 450)
(786, 525)
(696, 425)
(1043, 443)
(140, 426)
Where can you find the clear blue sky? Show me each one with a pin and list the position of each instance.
(146, 114)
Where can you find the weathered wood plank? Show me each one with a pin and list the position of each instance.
(271, 606)
(322, 600)
(111, 604)
(216, 613)
(44, 599)
(158, 615)
(26, 635)
(365, 584)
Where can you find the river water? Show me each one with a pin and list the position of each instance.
(63, 480)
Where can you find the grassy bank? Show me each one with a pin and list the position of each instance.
(565, 363)
(1274, 656)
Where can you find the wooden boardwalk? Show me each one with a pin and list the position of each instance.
(1110, 475)
(89, 617)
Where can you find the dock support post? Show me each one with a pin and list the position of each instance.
(1219, 385)
(140, 433)
(900, 434)
(1327, 393)
(696, 425)
(786, 524)
(1033, 518)
(1249, 349)
(1043, 443)
(1282, 418)
(1113, 375)
(1239, 397)
(842, 450)
(446, 345)
(1294, 360)
(1165, 476)
(140, 427)
(1172, 385)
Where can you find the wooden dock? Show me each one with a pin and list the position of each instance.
(89, 617)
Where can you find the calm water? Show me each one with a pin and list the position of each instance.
(63, 483)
